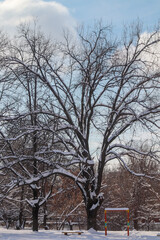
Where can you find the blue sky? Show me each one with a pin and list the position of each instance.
(117, 12)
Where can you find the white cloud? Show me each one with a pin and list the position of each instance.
(52, 16)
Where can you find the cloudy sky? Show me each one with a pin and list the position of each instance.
(54, 16)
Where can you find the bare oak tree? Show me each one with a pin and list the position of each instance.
(102, 94)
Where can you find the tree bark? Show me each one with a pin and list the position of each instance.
(135, 224)
(20, 218)
(135, 221)
(35, 211)
(45, 217)
(92, 219)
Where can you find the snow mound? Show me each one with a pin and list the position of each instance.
(92, 230)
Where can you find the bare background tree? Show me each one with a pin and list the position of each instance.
(140, 194)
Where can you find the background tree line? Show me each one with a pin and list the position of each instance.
(65, 206)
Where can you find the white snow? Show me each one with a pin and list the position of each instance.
(86, 235)
(116, 209)
(94, 206)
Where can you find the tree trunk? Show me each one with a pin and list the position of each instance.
(92, 219)
(20, 221)
(45, 217)
(92, 205)
(35, 211)
(135, 220)
(135, 224)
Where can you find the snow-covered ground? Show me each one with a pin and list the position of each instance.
(90, 235)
